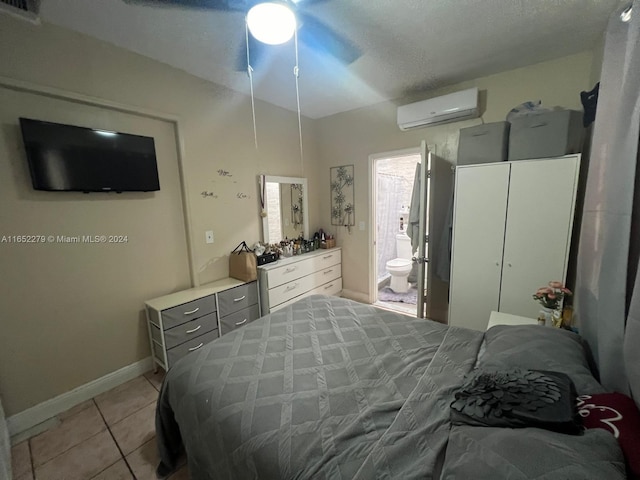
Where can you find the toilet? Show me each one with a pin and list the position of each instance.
(400, 267)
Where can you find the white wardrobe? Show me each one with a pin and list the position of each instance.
(512, 229)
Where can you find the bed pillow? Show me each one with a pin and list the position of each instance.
(535, 347)
(617, 414)
(517, 398)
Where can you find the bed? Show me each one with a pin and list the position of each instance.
(328, 388)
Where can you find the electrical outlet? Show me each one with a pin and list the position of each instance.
(208, 236)
(362, 226)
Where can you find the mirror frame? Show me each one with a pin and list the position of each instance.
(305, 203)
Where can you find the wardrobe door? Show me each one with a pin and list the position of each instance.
(478, 234)
(538, 232)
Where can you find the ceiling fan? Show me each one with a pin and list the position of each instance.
(311, 31)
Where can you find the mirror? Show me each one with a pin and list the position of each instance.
(284, 208)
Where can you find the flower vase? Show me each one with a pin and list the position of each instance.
(545, 314)
(556, 318)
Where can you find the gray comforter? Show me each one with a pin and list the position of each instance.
(329, 388)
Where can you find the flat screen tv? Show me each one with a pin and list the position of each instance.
(79, 159)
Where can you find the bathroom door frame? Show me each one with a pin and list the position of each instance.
(373, 195)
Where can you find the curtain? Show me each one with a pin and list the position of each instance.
(603, 255)
(389, 204)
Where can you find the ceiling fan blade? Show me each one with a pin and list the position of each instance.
(257, 53)
(193, 4)
(323, 38)
(305, 3)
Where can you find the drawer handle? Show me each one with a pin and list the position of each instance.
(241, 323)
(327, 256)
(480, 134)
(194, 329)
(291, 287)
(328, 287)
(539, 125)
(241, 298)
(328, 271)
(195, 348)
(192, 311)
(290, 269)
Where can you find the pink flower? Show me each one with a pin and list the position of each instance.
(551, 296)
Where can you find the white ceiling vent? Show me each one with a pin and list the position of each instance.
(24, 9)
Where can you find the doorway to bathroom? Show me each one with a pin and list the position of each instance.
(395, 182)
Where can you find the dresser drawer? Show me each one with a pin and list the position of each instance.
(189, 330)
(238, 319)
(327, 260)
(188, 311)
(235, 299)
(290, 290)
(332, 288)
(181, 350)
(326, 275)
(287, 273)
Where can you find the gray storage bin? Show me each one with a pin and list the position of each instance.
(550, 134)
(483, 143)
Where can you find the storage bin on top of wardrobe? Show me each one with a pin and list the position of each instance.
(546, 135)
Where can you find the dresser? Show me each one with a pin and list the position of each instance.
(290, 279)
(184, 321)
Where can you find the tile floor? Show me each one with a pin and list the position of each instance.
(400, 307)
(110, 437)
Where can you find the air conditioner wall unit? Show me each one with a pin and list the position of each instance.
(435, 111)
(22, 9)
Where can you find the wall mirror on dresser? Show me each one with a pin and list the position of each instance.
(285, 208)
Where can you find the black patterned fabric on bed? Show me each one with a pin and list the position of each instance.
(326, 388)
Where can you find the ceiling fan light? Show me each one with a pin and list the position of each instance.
(271, 22)
(625, 16)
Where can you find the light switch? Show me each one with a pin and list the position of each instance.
(361, 226)
(208, 235)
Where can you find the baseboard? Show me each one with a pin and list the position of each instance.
(48, 409)
(357, 296)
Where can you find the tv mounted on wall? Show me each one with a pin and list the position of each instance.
(69, 158)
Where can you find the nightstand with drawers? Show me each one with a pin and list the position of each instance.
(185, 321)
(501, 318)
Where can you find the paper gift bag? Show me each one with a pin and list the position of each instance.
(243, 263)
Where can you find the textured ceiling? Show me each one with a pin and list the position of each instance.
(409, 45)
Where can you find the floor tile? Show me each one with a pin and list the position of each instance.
(72, 431)
(77, 409)
(156, 378)
(20, 459)
(35, 430)
(144, 461)
(117, 471)
(136, 429)
(126, 399)
(82, 461)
